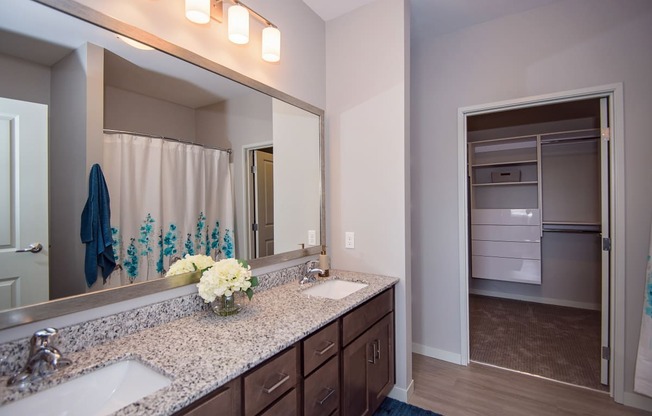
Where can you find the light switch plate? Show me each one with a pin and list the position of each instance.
(312, 237)
(349, 239)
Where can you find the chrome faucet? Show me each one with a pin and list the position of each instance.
(311, 271)
(44, 358)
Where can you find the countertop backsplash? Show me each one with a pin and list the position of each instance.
(74, 338)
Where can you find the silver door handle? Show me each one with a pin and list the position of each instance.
(33, 248)
(282, 379)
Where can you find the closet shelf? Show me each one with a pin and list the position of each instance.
(506, 183)
(508, 163)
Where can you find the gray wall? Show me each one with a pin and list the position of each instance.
(75, 144)
(367, 117)
(564, 46)
(23, 80)
(126, 110)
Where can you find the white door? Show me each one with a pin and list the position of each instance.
(23, 203)
(606, 237)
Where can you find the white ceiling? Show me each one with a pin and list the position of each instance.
(436, 17)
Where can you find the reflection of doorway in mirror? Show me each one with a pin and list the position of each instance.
(23, 203)
(261, 201)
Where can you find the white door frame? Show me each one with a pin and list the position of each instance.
(617, 216)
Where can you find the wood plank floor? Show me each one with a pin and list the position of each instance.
(454, 390)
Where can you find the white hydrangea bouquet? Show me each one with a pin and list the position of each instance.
(225, 278)
(198, 262)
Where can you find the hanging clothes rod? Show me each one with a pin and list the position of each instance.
(153, 136)
(568, 230)
(570, 136)
(569, 140)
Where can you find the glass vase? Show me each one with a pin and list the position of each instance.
(227, 305)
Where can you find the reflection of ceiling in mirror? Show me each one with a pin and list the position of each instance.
(32, 40)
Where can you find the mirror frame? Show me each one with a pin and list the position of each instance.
(64, 306)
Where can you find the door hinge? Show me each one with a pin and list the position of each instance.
(606, 353)
(254, 227)
(606, 133)
(253, 169)
(606, 244)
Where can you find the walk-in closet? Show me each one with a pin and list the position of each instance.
(538, 212)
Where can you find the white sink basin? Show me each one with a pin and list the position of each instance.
(334, 289)
(101, 392)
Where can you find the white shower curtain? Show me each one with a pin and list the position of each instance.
(643, 377)
(168, 199)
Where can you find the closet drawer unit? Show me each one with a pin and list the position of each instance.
(520, 216)
(506, 249)
(268, 382)
(510, 270)
(318, 348)
(518, 233)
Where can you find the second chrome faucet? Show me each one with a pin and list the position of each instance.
(44, 358)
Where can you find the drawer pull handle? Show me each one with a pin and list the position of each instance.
(377, 350)
(328, 396)
(325, 350)
(283, 379)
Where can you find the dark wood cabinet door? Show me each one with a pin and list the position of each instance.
(381, 368)
(355, 388)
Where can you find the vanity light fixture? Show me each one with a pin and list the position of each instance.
(198, 11)
(238, 24)
(202, 11)
(271, 44)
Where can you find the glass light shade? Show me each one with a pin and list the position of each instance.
(135, 43)
(238, 24)
(271, 44)
(198, 11)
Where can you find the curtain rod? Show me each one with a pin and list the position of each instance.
(154, 136)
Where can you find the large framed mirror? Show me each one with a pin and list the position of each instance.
(68, 79)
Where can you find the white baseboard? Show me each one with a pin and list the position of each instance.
(402, 395)
(547, 301)
(638, 401)
(431, 352)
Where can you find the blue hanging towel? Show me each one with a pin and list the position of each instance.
(96, 228)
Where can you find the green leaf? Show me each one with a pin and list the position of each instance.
(243, 263)
(250, 293)
(254, 281)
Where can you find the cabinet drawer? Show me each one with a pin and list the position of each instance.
(509, 249)
(268, 382)
(319, 347)
(287, 406)
(357, 321)
(224, 401)
(321, 390)
(522, 233)
(506, 269)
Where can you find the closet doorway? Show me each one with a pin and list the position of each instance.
(539, 239)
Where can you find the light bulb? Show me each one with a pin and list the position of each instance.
(238, 24)
(198, 11)
(271, 44)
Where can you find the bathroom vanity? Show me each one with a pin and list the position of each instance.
(345, 368)
(286, 353)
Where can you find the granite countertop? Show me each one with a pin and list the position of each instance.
(204, 351)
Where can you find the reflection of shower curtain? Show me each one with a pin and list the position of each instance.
(168, 199)
(643, 377)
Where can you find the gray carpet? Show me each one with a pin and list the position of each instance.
(551, 341)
